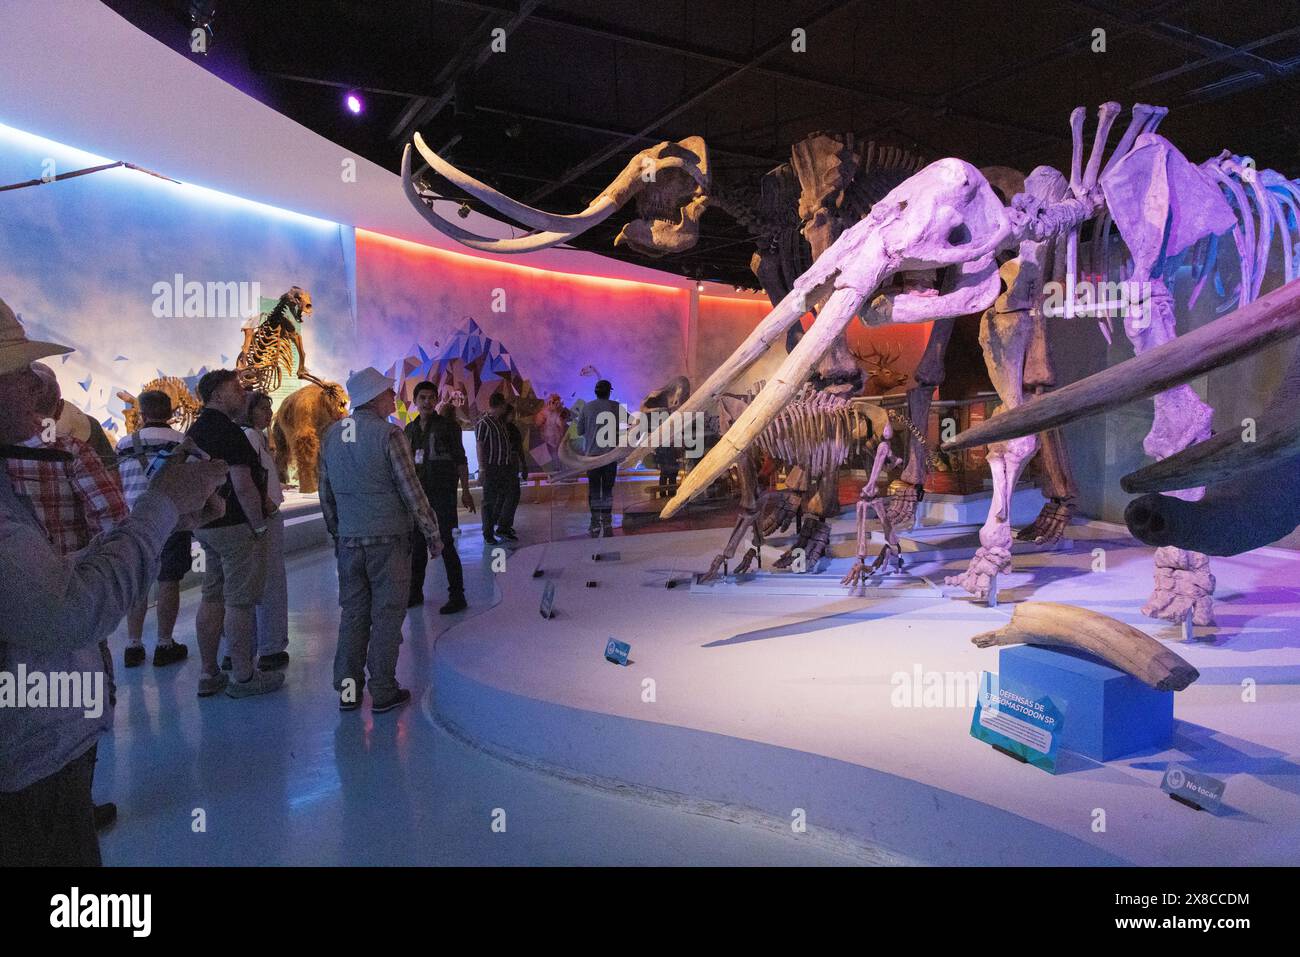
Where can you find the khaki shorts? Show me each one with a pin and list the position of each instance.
(236, 565)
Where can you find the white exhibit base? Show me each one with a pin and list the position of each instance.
(759, 704)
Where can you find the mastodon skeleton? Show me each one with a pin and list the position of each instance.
(947, 217)
(1180, 222)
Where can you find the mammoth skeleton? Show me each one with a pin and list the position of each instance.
(670, 183)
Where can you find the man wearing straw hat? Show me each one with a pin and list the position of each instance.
(371, 498)
(56, 611)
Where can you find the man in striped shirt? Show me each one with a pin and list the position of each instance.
(138, 456)
(495, 464)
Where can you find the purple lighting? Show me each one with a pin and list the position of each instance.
(353, 102)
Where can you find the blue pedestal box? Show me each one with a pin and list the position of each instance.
(1108, 713)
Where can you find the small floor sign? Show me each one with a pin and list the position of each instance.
(1199, 790)
(1018, 722)
(548, 600)
(617, 651)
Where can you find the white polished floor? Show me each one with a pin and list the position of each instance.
(764, 704)
(288, 779)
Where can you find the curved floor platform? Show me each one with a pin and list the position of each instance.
(775, 708)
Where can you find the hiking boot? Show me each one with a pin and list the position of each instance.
(399, 698)
(262, 682)
(169, 654)
(210, 686)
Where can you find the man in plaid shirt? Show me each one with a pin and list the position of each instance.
(76, 500)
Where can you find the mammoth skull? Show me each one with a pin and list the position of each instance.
(670, 183)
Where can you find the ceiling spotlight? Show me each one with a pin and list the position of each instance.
(463, 211)
(514, 130)
(354, 103)
(699, 287)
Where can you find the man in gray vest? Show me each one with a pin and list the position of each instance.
(372, 500)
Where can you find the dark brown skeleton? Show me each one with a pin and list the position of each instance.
(268, 350)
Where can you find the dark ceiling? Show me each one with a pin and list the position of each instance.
(582, 86)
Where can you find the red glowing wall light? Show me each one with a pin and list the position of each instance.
(466, 261)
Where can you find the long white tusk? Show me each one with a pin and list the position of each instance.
(835, 315)
(771, 329)
(1052, 624)
(600, 209)
(522, 244)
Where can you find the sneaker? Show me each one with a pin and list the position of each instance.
(454, 605)
(489, 540)
(349, 705)
(105, 815)
(210, 686)
(261, 682)
(274, 662)
(225, 663)
(133, 656)
(170, 654)
(508, 533)
(396, 701)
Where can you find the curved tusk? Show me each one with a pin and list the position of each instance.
(835, 315)
(1245, 331)
(601, 208)
(1053, 624)
(522, 244)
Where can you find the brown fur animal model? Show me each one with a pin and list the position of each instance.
(297, 427)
